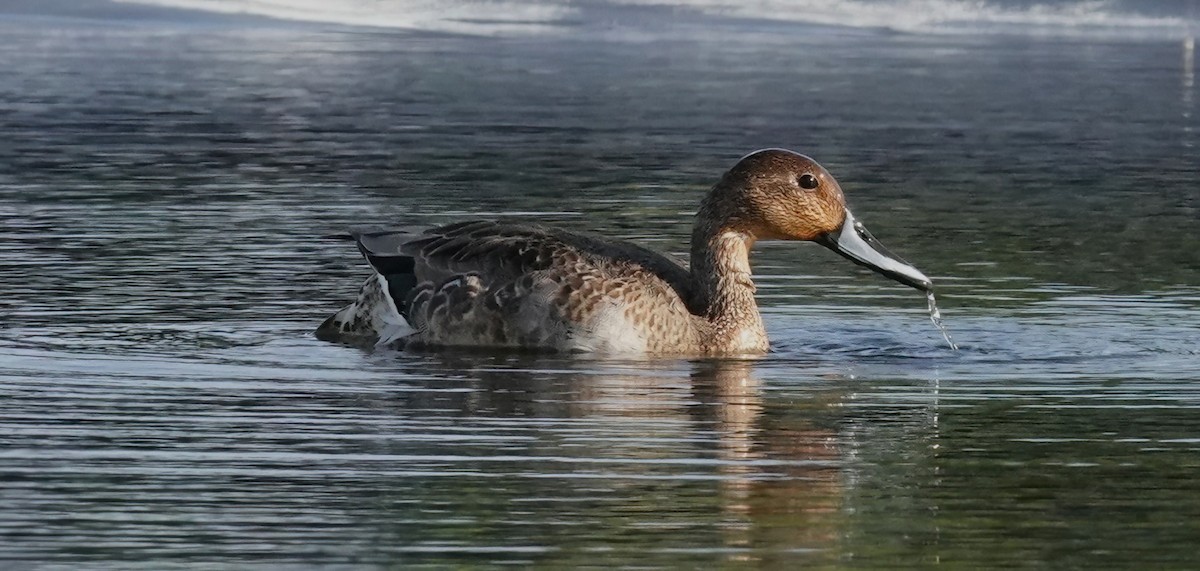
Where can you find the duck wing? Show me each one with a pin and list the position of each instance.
(499, 252)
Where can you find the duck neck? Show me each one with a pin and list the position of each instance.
(720, 265)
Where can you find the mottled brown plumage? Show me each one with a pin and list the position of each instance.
(510, 285)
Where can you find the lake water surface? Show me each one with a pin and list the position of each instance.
(163, 193)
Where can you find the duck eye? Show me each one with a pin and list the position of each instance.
(807, 181)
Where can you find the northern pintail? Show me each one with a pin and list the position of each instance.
(517, 285)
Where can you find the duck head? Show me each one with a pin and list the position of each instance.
(776, 194)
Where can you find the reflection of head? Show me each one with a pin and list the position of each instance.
(780, 468)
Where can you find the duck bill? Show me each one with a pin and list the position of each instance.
(855, 243)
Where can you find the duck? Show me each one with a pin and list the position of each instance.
(502, 285)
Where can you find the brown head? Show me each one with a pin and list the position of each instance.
(776, 194)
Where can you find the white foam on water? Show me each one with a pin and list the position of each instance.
(1101, 18)
(454, 16)
(1070, 17)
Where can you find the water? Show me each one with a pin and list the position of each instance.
(164, 188)
(935, 315)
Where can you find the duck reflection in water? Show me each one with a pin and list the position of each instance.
(653, 446)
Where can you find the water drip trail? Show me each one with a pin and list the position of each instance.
(936, 317)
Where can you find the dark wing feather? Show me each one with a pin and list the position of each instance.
(500, 252)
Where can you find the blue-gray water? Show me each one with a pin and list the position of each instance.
(164, 187)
